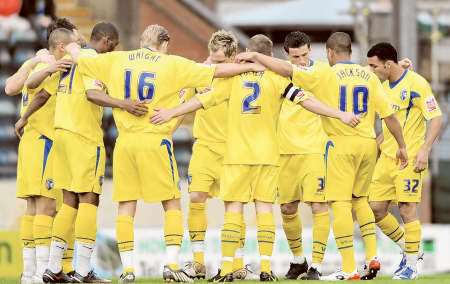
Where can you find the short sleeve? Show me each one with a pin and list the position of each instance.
(50, 85)
(306, 77)
(422, 97)
(96, 66)
(186, 94)
(382, 105)
(190, 74)
(92, 84)
(219, 93)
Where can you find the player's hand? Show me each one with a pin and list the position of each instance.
(421, 161)
(161, 116)
(406, 63)
(246, 57)
(136, 108)
(350, 119)
(18, 127)
(60, 65)
(402, 158)
(256, 67)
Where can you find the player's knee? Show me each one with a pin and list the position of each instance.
(127, 208)
(198, 197)
(89, 197)
(70, 199)
(379, 210)
(289, 208)
(319, 207)
(45, 206)
(408, 211)
(31, 206)
(172, 204)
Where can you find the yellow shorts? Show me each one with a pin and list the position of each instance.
(351, 162)
(205, 169)
(79, 163)
(246, 183)
(35, 166)
(302, 177)
(144, 167)
(390, 183)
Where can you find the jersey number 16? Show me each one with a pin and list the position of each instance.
(145, 86)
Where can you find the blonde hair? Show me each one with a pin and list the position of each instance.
(261, 43)
(154, 35)
(225, 41)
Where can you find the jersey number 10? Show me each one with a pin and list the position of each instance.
(145, 87)
(360, 98)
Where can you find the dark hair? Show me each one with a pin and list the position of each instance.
(261, 43)
(60, 23)
(104, 29)
(295, 40)
(340, 42)
(60, 35)
(384, 51)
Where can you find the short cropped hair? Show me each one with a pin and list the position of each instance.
(340, 42)
(60, 35)
(60, 23)
(224, 40)
(295, 40)
(104, 29)
(154, 35)
(261, 43)
(384, 51)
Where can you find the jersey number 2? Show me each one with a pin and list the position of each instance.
(247, 106)
(360, 99)
(145, 88)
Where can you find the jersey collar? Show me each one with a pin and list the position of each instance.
(395, 83)
(345, 62)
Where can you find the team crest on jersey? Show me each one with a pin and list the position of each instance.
(431, 104)
(101, 179)
(49, 184)
(403, 94)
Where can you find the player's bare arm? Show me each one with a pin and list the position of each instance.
(161, 116)
(395, 128)
(15, 83)
(278, 66)
(73, 49)
(35, 79)
(38, 101)
(314, 105)
(224, 70)
(434, 128)
(98, 97)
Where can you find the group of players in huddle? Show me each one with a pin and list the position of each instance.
(266, 131)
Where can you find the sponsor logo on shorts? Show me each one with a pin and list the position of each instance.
(49, 184)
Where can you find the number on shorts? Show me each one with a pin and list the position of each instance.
(411, 185)
(321, 183)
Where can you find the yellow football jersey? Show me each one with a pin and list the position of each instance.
(349, 87)
(73, 110)
(299, 130)
(43, 119)
(414, 103)
(149, 76)
(254, 102)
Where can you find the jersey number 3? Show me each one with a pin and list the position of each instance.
(247, 107)
(360, 99)
(145, 87)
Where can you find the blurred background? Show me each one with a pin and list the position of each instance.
(420, 29)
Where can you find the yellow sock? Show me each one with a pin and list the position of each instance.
(343, 233)
(125, 241)
(26, 231)
(292, 226)
(321, 231)
(197, 229)
(266, 239)
(366, 221)
(413, 235)
(173, 235)
(230, 236)
(67, 261)
(391, 228)
(86, 223)
(238, 261)
(61, 229)
(42, 230)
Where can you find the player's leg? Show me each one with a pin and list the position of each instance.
(321, 231)
(340, 179)
(125, 238)
(240, 271)
(42, 231)
(27, 239)
(289, 197)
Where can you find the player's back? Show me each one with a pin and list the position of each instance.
(148, 76)
(354, 88)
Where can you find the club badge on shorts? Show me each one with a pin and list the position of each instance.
(49, 184)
